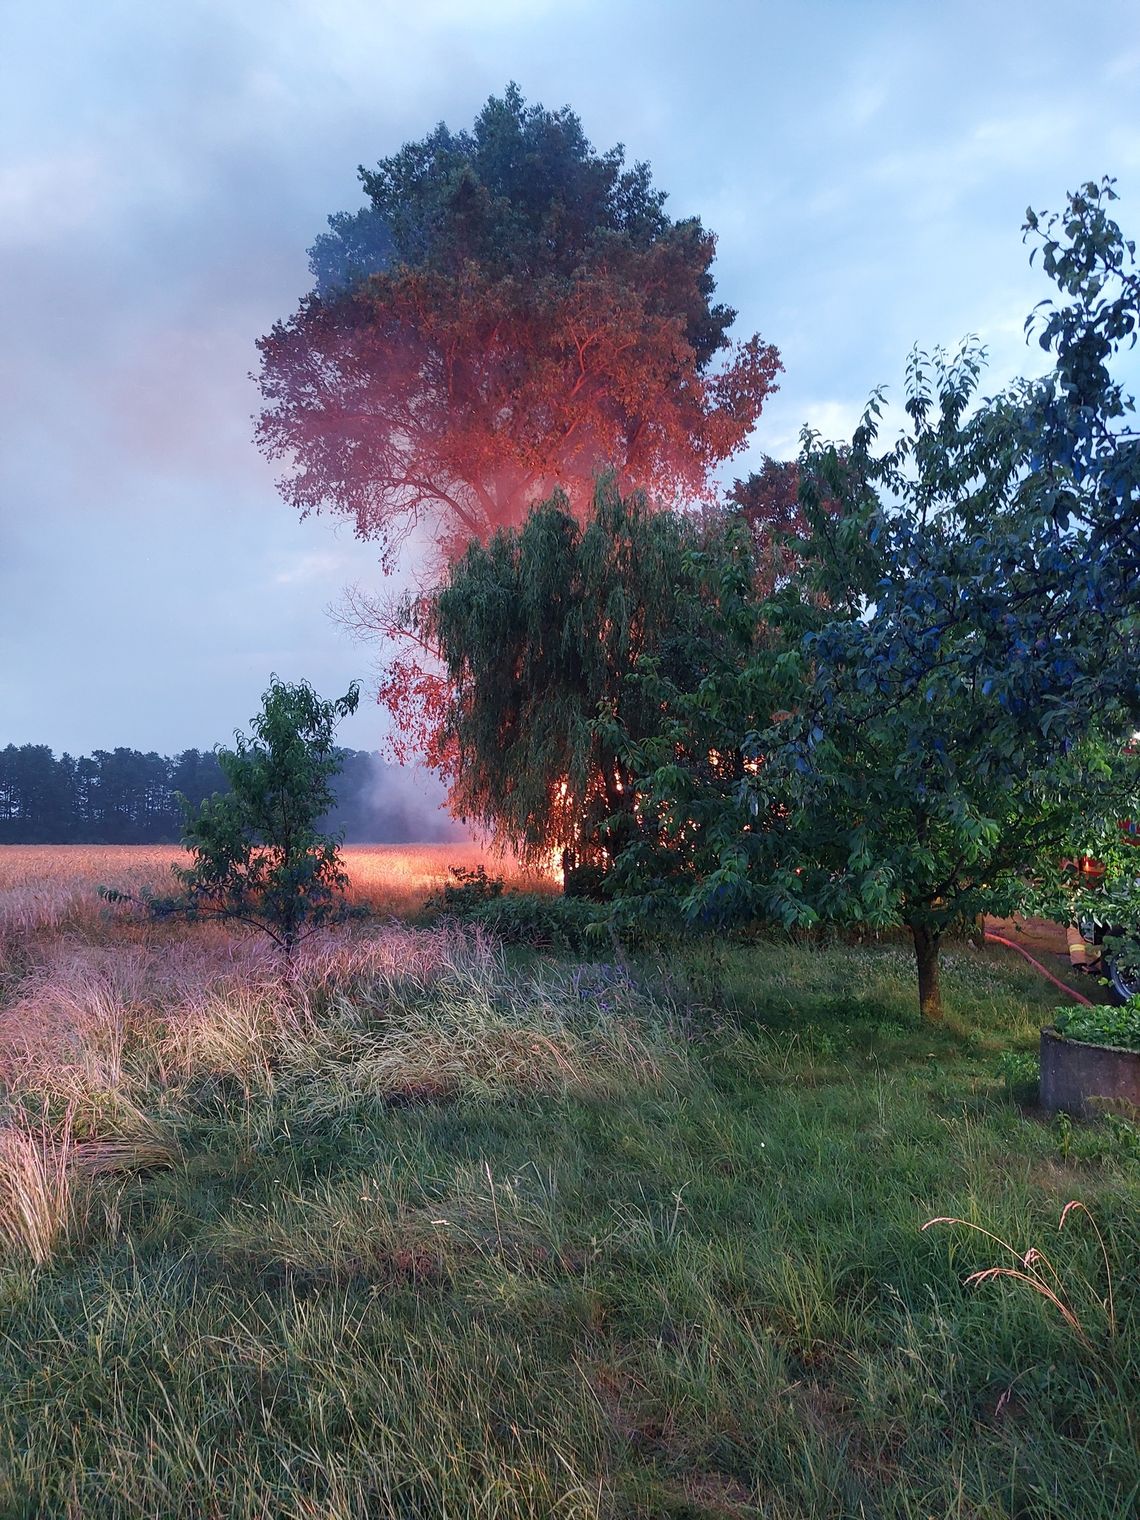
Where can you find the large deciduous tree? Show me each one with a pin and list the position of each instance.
(511, 314)
(921, 803)
(1012, 530)
(950, 713)
(891, 781)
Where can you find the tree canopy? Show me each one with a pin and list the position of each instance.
(259, 856)
(123, 796)
(916, 804)
(512, 313)
(1044, 495)
(945, 713)
(538, 630)
(767, 501)
(118, 796)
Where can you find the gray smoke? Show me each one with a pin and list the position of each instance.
(379, 802)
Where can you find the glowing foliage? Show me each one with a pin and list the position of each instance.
(539, 630)
(768, 501)
(513, 314)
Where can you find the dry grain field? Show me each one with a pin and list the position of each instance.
(48, 886)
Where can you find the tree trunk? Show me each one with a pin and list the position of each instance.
(926, 942)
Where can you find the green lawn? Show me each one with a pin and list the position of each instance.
(564, 1241)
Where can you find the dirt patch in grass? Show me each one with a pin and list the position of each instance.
(625, 1398)
(1061, 1180)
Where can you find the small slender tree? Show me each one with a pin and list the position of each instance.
(259, 857)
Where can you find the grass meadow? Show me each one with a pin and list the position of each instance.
(441, 1228)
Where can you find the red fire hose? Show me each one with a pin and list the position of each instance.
(997, 939)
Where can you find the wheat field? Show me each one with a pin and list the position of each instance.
(45, 887)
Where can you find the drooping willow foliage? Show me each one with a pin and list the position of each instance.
(544, 631)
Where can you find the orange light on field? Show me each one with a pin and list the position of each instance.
(43, 886)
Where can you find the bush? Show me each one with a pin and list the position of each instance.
(538, 919)
(1020, 1070)
(468, 890)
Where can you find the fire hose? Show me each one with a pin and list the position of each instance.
(997, 939)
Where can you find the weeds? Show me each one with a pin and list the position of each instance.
(1111, 1139)
(1038, 1273)
(1020, 1071)
(428, 1013)
(1099, 1025)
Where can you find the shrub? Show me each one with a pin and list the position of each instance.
(468, 889)
(538, 919)
(1102, 1026)
(1020, 1070)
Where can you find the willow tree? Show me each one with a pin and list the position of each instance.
(538, 630)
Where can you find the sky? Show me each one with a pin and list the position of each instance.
(866, 165)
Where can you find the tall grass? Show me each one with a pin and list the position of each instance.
(1037, 1272)
(399, 1013)
(426, 1230)
(45, 887)
(51, 887)
(35, 1186)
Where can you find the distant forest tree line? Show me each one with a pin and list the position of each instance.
(123, 796)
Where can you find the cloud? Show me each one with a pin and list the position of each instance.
(315, 565)
(48, 197)
(166, 168)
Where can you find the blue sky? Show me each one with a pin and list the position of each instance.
(866, 165)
